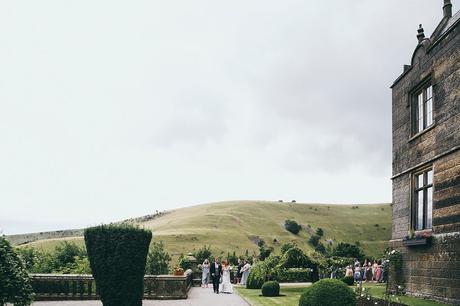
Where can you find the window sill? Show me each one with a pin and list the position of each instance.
(422, 132)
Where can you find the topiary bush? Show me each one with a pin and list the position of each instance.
(271, 288)
(349, 280)
(117, 255)
(15, 284)
(331, 292)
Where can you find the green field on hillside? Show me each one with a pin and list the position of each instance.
(237, 226)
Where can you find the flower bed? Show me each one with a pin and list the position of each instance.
(368, 301)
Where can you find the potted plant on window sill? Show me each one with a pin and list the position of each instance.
(417, 239)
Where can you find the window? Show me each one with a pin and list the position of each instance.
(423, 109)
(423, 200)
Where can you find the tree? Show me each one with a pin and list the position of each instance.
(348, 250)
(292, 226)
(320, 232)
(314, 240)
(15, 284)
(203, 253)
(157, 259)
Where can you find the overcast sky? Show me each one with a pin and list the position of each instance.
(114, 109)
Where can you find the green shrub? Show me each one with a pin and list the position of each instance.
(271, 288)
(349, 280)
(292, 226)
(117, 255)
(319, 232)
(185, 263)
(15, 284)
(314, 240)
(331, 292)
(293, 275)
(203, 253)
(295, 258)
(157, 259)
(261, 271)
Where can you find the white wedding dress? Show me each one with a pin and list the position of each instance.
(226, 286)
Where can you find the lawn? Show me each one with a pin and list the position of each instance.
(290, 298)
(292, 295)
(378, 290)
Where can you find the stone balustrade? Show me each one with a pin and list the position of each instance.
(57, 287)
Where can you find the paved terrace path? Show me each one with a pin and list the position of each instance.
(196, 297)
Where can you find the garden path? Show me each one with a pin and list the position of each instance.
(197, 297)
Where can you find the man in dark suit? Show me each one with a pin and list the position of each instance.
(216, 272)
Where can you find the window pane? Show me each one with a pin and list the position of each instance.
(420, 113)
(429, 92)
(429, 208)
(420, 180)
(419, 220)
(430, 177)
(429, 112)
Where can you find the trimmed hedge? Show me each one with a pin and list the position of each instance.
(15, 284)
(117, 255)
(293, 275)
(331, 292)
(271, 288)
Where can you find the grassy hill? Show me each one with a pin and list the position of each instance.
(237, 226)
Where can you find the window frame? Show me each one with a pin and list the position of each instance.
(415, 189)
(421, 89)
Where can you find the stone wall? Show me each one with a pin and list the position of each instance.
(431, 271)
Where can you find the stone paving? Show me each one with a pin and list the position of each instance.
(196, 297)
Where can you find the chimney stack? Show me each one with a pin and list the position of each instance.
(421, 34)
(447, 8)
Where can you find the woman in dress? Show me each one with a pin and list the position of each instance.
(205, 273)
(369, 272)
(245, 271)
(374, 270)
(349, 271)
(378, 272)
(357, 274)
(226, 285)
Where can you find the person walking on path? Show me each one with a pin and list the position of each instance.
(205, 273)
(216, 272)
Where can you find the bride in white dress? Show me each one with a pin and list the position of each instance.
(226, 285)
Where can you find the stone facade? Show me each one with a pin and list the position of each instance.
(431, 270)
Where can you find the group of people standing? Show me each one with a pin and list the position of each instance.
(368, 271)
(219, 274)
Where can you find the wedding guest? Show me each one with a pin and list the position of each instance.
(369, 272)
(245, 271)
(238, 271)
(374, 269)
(357, 274)
(348, 272)
(205, 273)
(378, 271)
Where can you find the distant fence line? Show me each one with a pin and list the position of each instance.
(57, 287)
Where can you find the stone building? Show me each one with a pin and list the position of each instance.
(426, 163)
